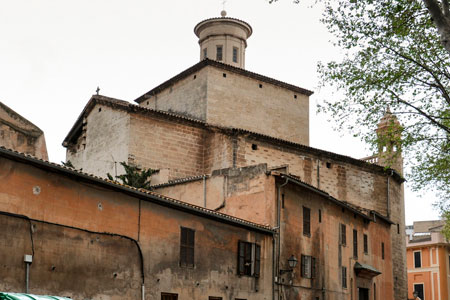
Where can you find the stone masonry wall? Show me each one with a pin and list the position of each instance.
(186, 97)
(269, 109)
(163, 144)
(103, 143)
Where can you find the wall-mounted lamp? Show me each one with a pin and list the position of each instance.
(292, 263)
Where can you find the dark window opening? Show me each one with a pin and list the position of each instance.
(417, 259)
(195, 76)
(235, 54)
(214, 298)
(320, 216)
(260, 86)
(282, 200)
(344, 277)
(148, 102)
(343, 234)
(418, 287)
(374, 291)
(295, 96)
(398, 228)
(306, 221)
(224, 75)
(355, 243)
(382, 250)
(366, 244)
(99, 109)
(249, 259)
(187, 240)
(219, 54)
(168, 296)
(328, 165)
(254, 147)
(308, 266)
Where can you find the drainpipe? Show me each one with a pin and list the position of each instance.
(277, 269)
(28, 259)
(204, 191)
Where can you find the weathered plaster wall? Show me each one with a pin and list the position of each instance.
(19, 134)
(186, 97)
(70, 262)
(323, 244)
(103, 142)
(54, 198)
(269, 110)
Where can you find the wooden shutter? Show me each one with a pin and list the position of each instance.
(306, 221)
(303, 261)
(355, 243)
(241, 258)
(187, 245)
(257, 260)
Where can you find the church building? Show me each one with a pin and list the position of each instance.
(241, 206)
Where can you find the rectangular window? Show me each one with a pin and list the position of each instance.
(344, 277)
(214, 298)
(306, 221)
(168, 296)
(249, 259)
(382, 250)
(366, 244)
(205, 53)
(343, 234)
(320, 216)
(308, 266)
(417, 259)
(187, 240)
(219, 53)
(235, 54)
(419, 288)
(355, 243)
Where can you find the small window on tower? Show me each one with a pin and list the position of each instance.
(235, 54)
(219, 54)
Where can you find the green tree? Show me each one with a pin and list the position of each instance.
(393, 58)
(134, 176)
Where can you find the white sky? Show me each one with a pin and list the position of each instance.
(54, 54)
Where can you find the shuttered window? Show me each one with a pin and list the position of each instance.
(366, 244)
(168, 296)
(308, 266)
(344, 277)
(306, 221)
(249, 259)
(355, 243)
(187, 241)
(343, 234)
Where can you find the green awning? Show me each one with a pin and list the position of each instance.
(19, 296)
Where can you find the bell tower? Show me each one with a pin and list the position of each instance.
(389, 134)
(223, 39)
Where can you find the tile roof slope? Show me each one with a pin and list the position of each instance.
(179, 181)
(138, 192)
(208, 62)
(136, 108)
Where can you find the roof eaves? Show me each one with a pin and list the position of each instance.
(179, 181)
(141, 193)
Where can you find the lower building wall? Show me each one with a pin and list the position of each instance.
(90, 242)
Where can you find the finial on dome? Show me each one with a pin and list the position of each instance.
(223, 13)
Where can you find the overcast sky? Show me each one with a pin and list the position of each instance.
(54, 54)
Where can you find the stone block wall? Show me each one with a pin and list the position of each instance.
(264, 108)
(103, 142)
